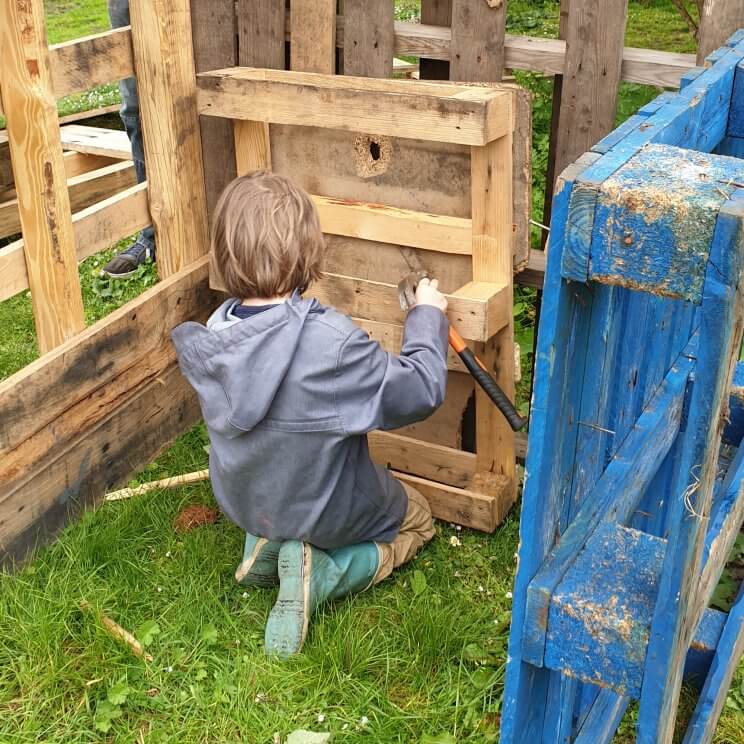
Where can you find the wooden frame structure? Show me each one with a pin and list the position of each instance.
(92, 410)
(276, 114)
(635, 488)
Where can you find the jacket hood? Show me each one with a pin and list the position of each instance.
(237, 365)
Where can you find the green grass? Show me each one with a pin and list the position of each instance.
(421, 664)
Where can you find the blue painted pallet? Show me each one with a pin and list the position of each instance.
(626, 521)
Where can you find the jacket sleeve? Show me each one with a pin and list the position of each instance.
(378, 390)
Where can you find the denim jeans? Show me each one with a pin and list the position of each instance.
(119, 15)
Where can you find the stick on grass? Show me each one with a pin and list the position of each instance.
(116, 631)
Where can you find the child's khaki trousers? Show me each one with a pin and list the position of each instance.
(415, 531)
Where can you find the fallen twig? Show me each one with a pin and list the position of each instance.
(174, 482)
(118, 632)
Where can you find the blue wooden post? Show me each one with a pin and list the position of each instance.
(626, 522)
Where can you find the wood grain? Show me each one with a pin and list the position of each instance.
(213, 27)
(313, 24)
(471, 116)
(90, 61)
(477, 46)
(591, 77)
(40, 181)
(96, 227)
(369, 38)
(719, 20)
(165, 69)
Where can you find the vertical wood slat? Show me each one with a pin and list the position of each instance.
(40, 179)
(478, 30)
(313, 27)
(252, 147)
(164, 65)
(369, 38)
(491, 169)
(719, 19)
(435, 13)
(261, 43)
(594, 54)
(213, 28)
(261, 33)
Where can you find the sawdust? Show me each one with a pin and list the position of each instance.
(193, 516)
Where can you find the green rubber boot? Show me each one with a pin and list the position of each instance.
(259, 565)
(307, 577)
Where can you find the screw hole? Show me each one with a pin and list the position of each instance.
(374, 150)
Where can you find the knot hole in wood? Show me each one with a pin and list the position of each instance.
(372, 155)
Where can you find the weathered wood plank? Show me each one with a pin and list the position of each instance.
(477, 46)
(83, 190)
(458, 505)
(313, 27)
(477, 314)
(472, 116)
(617, 493)
(702, 726)
(386, 224)
(127, 347)
(164, 62)
(718, 20)
(252, 146)
(491, 173)
(213, 27)
(96, 227)
(594, 41)
(679, 604)
(103, 455)
(424, 459)
(89, 61)
(261, 32)
(368, 38)
(36, 151)
(110, 143)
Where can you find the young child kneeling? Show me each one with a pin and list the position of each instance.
(289, 389)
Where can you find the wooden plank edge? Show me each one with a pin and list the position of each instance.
(387, 224)
(456, 505)
(535, 54)
(96, 227)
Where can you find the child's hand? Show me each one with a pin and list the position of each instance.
(427, 293)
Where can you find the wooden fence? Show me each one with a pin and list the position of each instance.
(102, 401)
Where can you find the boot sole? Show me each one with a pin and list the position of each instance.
(287, 626)
(246, 569)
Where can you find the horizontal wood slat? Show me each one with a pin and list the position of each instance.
(84, 63)
(475, 315)
(388, 224)
(84, 189)
(413, 456)
(131, 344)
(459, 505)
(96, 227)
(399, 108)
(111, 143)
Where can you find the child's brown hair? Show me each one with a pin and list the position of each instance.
(266, 237)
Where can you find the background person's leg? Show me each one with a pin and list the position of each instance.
(143, 248)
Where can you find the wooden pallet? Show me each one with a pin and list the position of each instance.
(273, 108)
(630, 507)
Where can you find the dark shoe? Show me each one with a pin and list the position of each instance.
(259, 565)
(126, 263)
(307, 577)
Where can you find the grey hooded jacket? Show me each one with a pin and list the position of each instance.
(288, 396)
